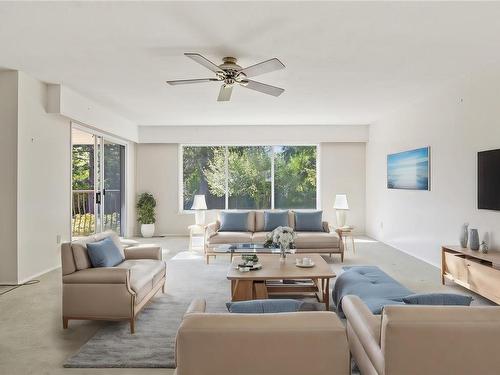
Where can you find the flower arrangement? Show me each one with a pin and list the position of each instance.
(284, 237)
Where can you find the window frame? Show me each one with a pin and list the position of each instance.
(180, 172)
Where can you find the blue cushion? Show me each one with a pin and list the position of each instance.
(104, 253)
(438, 299)
(309, 221)
(233, 221)
(376, 305)
(275, 219)
(264, 306)
(372, 285)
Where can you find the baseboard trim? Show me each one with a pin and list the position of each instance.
(38, 274)
(405, 252)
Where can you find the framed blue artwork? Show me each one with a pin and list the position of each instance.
(409, 169)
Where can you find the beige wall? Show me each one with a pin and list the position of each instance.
(343, 172)
(8, 187)
(456, 123)
(342, 168)
(157, 173)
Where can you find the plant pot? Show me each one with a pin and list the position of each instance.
(147, 230)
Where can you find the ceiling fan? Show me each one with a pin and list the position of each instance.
(230, 74)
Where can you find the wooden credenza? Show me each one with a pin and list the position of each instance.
(473, 270)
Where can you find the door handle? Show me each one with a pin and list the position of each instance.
(98, 198)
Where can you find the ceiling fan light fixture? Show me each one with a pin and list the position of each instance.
(231, 73)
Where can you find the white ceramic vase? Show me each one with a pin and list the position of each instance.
(147, 230)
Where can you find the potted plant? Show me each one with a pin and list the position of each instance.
(146, 214)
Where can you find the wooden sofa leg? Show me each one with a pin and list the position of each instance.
(341, 257)
(163, 287)
(132, 325)
(65, 323)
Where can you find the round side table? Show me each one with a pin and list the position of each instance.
(196, 230)
(346, 235)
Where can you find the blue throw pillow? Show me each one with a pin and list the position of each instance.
(233, 221)
(264, 306)
(440, 299)
(275, 219)
(309, 221)
(104, 253)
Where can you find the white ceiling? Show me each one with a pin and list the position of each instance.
(347, 63)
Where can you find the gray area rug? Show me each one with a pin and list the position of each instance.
(154, 341)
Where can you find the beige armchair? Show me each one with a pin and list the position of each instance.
(411, 339)
(109, 293)
(312, 343)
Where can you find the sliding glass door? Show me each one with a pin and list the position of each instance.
(98, 166)
(113, 185)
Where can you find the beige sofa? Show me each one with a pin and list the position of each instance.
(325, 242)
(312, 343)
(419, 340)
(109, 293)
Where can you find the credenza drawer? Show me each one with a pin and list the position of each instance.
(484, 279)
(455, 265)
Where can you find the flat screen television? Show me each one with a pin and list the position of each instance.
(488, 180)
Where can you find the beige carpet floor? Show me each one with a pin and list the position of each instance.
(32, 340)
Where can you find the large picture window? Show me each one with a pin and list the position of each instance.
(250, 177)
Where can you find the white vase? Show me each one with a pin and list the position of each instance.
(147, 230)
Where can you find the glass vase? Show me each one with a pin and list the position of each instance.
(282, 254)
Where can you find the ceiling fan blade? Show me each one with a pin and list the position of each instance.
(262, 87)
(263, 67)
(188, 81)
(204, 61)
(225, 93)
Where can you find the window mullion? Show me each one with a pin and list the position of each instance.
(226, 171)
(272, 177)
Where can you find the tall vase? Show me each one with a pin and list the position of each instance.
(464, 235)
(474, 239)
(282, 254)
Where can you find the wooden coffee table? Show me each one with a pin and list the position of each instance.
(276, 278)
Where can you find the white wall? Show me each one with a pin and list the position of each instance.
(457, 123)
(257, 134)
(71, 104)
(35, 192)
(342, 167)
(43, 181)
(35, 154)
(8, 189)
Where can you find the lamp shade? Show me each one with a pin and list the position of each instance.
(199, 203)
(341, 202)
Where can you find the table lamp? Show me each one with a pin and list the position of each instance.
(341, 207)
(199, 206)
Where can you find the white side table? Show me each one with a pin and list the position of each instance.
(196, 231)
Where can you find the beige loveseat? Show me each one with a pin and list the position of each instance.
(312, 343)
(109, 293)
(416, 340)
(325, 242)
